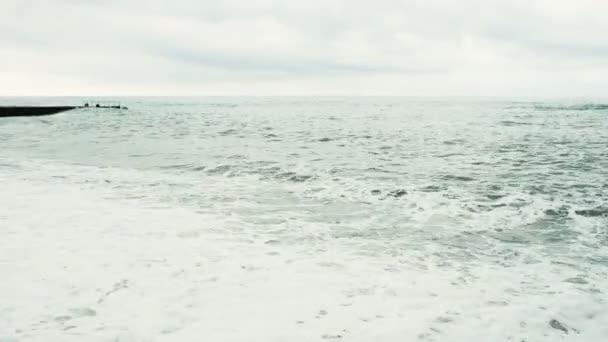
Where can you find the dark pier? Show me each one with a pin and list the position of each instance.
(33, 110)
(8, 111)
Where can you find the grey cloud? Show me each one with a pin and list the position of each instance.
(391, 46)
(274, 66)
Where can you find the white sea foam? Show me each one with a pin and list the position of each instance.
(78, 265)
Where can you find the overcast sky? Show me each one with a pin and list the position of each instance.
(307, 47)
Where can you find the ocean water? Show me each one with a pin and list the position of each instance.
(305, 219)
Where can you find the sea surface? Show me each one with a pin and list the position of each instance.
(305, 219)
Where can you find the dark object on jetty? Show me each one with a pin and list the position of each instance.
(33, 110)
(115, 106)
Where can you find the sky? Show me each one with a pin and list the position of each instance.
(312, 47)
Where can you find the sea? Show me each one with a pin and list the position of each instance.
(305, 219)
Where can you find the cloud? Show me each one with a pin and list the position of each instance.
(273, 47)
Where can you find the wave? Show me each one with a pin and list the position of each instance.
(273, 172)
(514, 123)
(574, 107)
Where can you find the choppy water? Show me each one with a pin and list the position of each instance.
(490, 196)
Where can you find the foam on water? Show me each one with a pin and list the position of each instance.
(306, 219)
